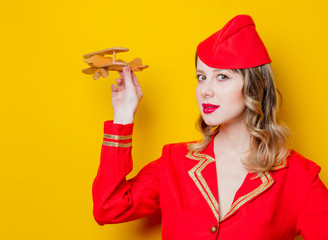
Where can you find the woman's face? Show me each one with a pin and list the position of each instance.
(219, 95)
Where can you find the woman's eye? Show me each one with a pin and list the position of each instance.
(222, 77)
(201, 77)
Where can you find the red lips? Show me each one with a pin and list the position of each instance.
(209, 108)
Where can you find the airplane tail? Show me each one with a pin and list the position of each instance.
(136, 65)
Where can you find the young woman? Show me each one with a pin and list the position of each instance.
(241, 181)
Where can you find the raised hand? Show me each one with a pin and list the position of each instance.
(126, 96)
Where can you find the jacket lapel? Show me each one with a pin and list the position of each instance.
(200, 174)
(252, 188)
(204, 176)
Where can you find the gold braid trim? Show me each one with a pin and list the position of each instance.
(205, 159)
(117, 137)
(116, 144)
(267, 181)
(281, 165)
(201, 184)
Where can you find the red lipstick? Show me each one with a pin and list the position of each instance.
(209, 108)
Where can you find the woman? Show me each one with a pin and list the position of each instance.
(241, 181)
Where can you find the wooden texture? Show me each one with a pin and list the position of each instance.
(100, 65)
(108, 51)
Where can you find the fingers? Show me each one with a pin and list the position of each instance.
(135, 80)
(120, 84)
(126, 75)
(137, 85)
(129, 81)
(113, 88)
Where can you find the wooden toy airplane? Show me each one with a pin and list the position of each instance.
(100, 65)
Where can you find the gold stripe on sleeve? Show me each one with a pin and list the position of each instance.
(117, 137)
(116, 144)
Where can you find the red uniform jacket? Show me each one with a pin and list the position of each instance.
(287, 201)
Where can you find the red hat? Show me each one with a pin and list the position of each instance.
(237, 45)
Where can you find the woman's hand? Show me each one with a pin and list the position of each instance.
(125, 97)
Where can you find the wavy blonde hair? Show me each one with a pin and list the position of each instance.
(270, 138)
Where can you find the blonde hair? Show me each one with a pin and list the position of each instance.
(270, 138)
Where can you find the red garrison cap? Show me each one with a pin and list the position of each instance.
(237, 45)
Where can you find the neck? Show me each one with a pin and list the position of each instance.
(233, 138)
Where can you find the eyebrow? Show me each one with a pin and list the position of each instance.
(216, 70)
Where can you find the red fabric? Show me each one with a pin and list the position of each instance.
(295, 202)
(237, 45)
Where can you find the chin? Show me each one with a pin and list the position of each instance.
(211, 122)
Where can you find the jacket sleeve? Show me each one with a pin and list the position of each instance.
(313, 214)
(116, 199)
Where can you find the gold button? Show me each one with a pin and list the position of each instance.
(213, 229)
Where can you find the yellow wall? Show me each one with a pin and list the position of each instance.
(52, 115)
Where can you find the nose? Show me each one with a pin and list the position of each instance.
(207, 90)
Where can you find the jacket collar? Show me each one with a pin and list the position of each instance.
(250, 189)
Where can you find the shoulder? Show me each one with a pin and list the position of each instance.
(303, 181)
(299, 164)
(177, 147)
(298, 170)
(175, 151)
(297, 176)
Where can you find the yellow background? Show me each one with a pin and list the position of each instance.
(52, 115)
